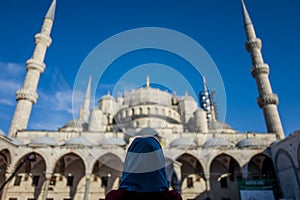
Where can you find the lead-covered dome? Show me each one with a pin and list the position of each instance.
(250, 142)
(113, 141)
(16, 141)
(78, 141)
(148, 95)
(216, 142)
(75, 125)
(44, 140)
(183, 143)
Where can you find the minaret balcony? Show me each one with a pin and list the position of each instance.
(42, 38)
(259, 69)
(23, 94)
(267, 99)
(31, 64)
(253, 44)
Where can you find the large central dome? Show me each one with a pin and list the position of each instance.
(148, 96)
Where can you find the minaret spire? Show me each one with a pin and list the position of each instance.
(85, 110)
(27, 95)
(247, 19)
(267, 100)
(51, 11)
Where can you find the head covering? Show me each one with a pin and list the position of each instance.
(144, 167)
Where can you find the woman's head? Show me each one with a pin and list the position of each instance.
(144, 167)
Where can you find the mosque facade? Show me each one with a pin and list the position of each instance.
(204, 156)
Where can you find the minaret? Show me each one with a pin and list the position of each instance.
(267, 100)
(27, 95)
(85, 110)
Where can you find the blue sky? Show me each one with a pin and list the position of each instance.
(217, 25)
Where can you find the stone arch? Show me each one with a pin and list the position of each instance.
(67, 177)
(30, 175)
(5, 161)
(287, 175)
(193, 183)
(106, 174)
(141, 110)
(224, 174)
(261, 166)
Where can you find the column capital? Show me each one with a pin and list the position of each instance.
(48, 175)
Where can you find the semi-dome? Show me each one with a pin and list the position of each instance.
(78, 141)
(216, 142)
(183, 142)
(249, 142)
(113, 141)
(45, 140)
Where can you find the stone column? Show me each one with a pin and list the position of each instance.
(87, 186)
(8, 174)
(46, 186)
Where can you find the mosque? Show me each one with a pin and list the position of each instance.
(205, 157)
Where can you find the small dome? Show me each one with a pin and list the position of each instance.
(107, 97)
(74, 123)
(249, 142)
(16, 141)
(183, 142)
(216, 142)
(218, 125)
(113, 141)
(186, 97)
(43, 141)
(78, 141)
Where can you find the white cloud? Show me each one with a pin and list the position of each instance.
(7, 102)
(11, 69)
(11, 77)
(9, 87)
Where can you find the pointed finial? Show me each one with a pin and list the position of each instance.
(108, 93)
(51, 11)
(88, 89)
(147, 82)
(247, 19)
(204, 84)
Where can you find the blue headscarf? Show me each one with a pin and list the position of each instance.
(144, 167)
